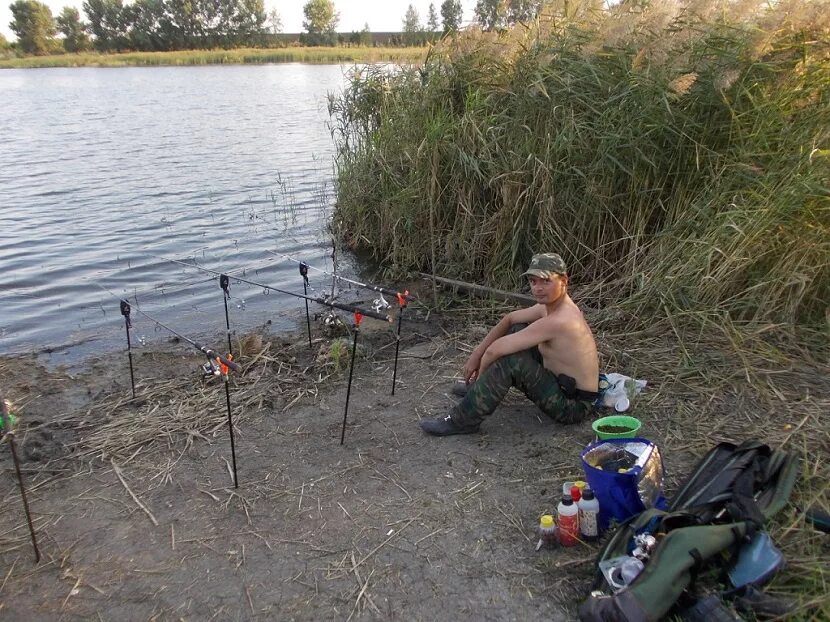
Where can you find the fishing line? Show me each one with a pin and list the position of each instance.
(268, 288)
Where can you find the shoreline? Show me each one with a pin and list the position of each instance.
(239, 56)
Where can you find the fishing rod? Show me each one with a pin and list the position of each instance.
(211, 355)
(217, 365)
(402, 298)
(7, 423)
(319, 300)
(358, 318)
(375, 288)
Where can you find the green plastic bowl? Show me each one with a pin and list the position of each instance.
(631, 424)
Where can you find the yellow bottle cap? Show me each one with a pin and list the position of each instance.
(546, 521)
(580, 484)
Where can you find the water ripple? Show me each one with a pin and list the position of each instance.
(103, 168)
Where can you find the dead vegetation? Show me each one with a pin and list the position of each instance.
(138, 518)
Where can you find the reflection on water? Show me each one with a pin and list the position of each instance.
(105, 172)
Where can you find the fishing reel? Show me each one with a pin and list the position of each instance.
(380, 304)
(332, 324)
(215, 367)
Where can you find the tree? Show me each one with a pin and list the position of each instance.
(432, 19)
(274, 21)
(5, 46)
(412, 28)
(73, 30)
(522, 10)
(147, 25)
(109, 23)
(33, 24)
(451, 13)
(320, 17)
(491, 14)
(366, 35)
(248, 23)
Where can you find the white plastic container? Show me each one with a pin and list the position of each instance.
(588, 507)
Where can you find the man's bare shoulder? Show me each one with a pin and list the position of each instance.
(565, 317)
(527, 315)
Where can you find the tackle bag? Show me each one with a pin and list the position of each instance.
(731, 493)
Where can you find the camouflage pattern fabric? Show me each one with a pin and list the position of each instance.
(525, 371)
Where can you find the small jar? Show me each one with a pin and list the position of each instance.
(547, 533)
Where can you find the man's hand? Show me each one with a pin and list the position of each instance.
(470, 369)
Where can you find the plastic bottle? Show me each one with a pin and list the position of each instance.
(576, 494)
(547, 532)
(568, 521)
(566, 487)
(588, 515)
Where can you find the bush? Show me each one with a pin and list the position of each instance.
(677, 160)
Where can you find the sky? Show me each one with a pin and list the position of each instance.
(381, 15)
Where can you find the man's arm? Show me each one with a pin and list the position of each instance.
(533, 335)
(472, 368)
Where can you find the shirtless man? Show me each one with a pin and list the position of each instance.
(547, 351)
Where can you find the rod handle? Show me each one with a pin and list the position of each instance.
(351, 309)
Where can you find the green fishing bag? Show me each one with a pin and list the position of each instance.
(731, 493)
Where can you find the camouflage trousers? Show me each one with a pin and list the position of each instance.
(525, 371)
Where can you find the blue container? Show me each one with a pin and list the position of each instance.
(618, 493)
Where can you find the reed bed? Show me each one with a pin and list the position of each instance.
(676, 154)
(322, 55)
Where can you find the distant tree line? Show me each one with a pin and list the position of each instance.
(166, 25)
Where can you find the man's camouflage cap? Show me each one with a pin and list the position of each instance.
(545, 265)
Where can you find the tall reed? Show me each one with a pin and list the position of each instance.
(675, 154)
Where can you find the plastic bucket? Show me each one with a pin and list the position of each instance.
(631, 424)
(617, 493)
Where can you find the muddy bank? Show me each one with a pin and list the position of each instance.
(138, 518)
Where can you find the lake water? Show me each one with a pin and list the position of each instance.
(105, 172)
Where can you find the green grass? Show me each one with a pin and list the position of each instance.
(220, 57)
